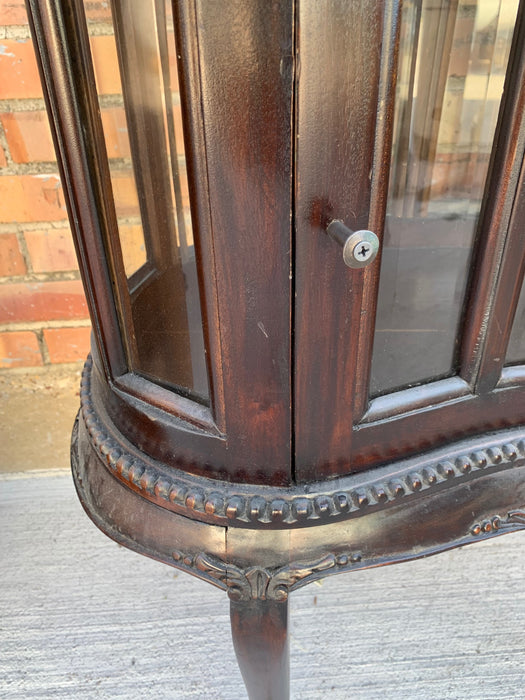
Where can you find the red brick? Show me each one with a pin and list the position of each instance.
(51, 250)
(172, 57)
(19, 349)
(13, 12)
(184, 186)
(42, 301)
(67, 344)
(133, 247)
(179, 134)
(116, 132)
(28, 136)
(31, 198)
(18, 70)
(11, 259)
(97, 10)
(125, 193)
(105, 63)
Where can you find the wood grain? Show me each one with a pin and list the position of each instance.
(337, 88)
(85, 618)
(69, 89)
(247, 94)
(498, 270)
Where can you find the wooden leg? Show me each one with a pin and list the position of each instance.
(260, 639)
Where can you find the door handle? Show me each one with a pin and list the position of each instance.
(359, 247)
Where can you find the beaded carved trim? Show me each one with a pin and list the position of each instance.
(307, 504)
(498, 522)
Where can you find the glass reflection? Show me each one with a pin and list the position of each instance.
(516, 348)
(135, 61)
(452, 63)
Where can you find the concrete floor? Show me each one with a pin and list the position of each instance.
(37, 410)
(82, 617)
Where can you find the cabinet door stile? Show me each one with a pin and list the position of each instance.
(190, 90)
(499, 268)
(336, 115)
(247, 99)
(378, 199)
(510, 283)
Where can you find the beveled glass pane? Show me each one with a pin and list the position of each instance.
(452, 63)
(516, 348)
(135, 61)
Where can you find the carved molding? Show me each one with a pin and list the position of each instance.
(498, 522)
(247, 582)
(224, 503)
(258, 583)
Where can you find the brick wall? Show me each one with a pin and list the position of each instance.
(43, 313)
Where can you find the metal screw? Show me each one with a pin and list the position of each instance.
(359, 247)
(362, 252)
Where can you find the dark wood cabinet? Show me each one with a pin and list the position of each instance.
(255, 411)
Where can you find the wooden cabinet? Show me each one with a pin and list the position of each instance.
(256, 412)
(442, 274)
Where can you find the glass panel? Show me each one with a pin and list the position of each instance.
(109, 87)
(135, 61)
(452, 62)
(516, 349)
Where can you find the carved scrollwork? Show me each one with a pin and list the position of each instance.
(283, 579)
(258, 583)
(516, 516)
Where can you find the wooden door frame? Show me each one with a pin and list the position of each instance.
(338, 429)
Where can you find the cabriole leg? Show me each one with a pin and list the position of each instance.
(260, 639)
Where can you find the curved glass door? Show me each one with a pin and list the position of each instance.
(452, 63)
(394, 358)
(135, 60)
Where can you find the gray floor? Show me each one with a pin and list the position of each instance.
(84, 618)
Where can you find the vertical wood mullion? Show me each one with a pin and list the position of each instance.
(63, 54)
(378, 197)
(506, 297)
(336, 116)
(246, 64)
(498, 271)
(185, 21)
